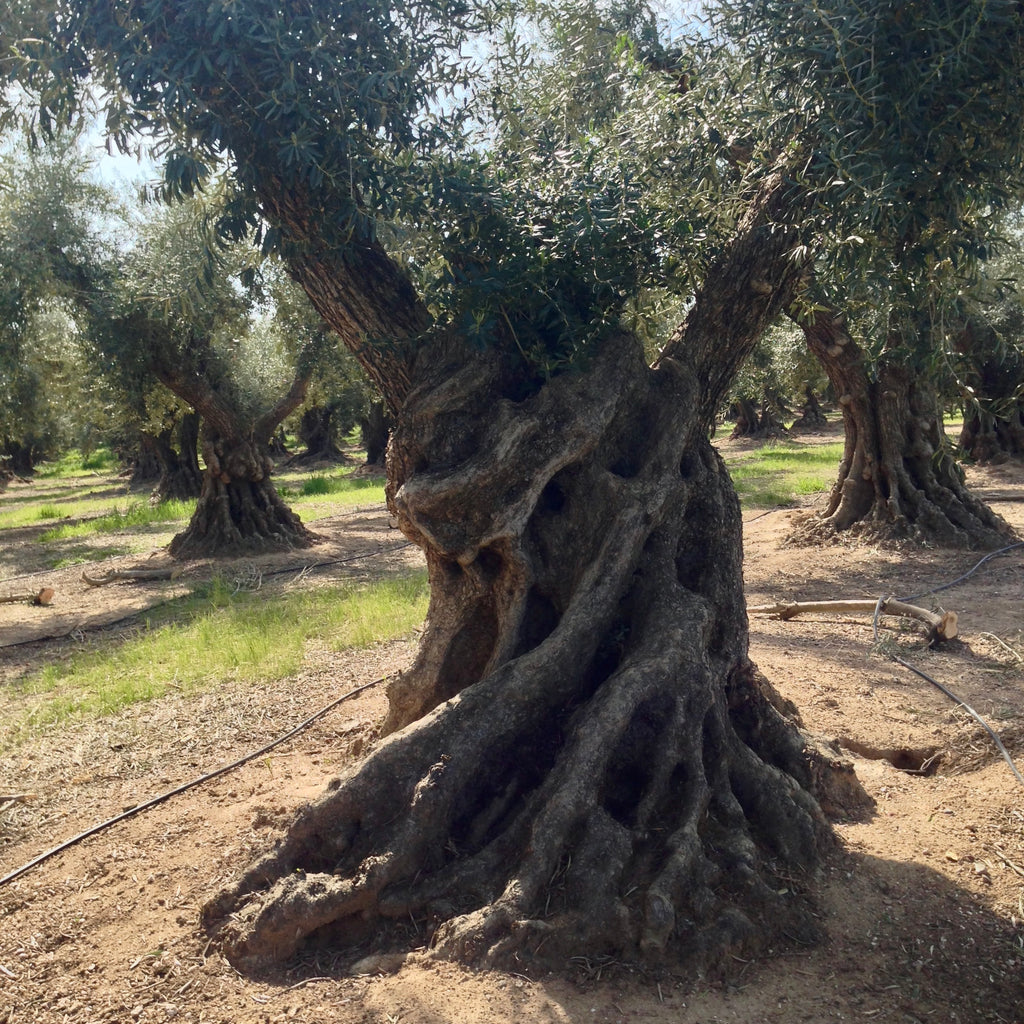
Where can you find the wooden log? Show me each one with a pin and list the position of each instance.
(941, 625)
(129, 576)
(40, 597)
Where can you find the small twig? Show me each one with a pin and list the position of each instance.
(1009, 863)
(1004, 645)
(300, 984)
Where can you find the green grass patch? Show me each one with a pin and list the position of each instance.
(213, 636)
(320, 493)
(29, 514)
(132, 516)
(81, 554)
(74, 463)
(779, 474)
(315, 485)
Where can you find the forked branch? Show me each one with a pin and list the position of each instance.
(941, 625)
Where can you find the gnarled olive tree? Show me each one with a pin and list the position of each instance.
(921, 125)
(156, 317)
(583, 756)
(898, 477)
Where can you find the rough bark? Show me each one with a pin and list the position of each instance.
(316, 431)
(898, 478)
(375, 429)
(751, 423)
(238, 511)
(993, 429)
(582, 758)
(180, 476)
(607, 771)
(146, 465)
(21, 458)
(811, 417)
(993, 434)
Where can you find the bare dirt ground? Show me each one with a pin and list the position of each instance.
(923, 902)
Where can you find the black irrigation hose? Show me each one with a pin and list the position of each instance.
(970, 572)
(974, 714)
(945, 689)
(188, 785)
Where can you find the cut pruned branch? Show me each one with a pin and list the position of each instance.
(941, 625)
(40, 597)
(130, 576)
(8, 800)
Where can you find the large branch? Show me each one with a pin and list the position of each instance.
(284, 407)
(744, 290)
(941, 626)
(361, 292)
(198, 393)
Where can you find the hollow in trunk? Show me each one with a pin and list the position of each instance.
(595, 765)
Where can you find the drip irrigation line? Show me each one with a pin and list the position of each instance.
(974, 714)
(945, 689)
(188, 785)
(970, 572)
(340, 561)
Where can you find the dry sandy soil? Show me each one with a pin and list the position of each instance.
(923, 902)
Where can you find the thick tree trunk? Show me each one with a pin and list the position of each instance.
(751, 423)
(21, 457)
(898, 478)
(316, 431)
(181, 479)
(147, 466)
(277, 446)
(375, 429)
(239, 511)
(811, 415)
(582, 758)
(993, 432)
(619, 778)
(993, 429)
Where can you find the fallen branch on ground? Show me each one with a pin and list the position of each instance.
(41, 597)
(941, 625)
(8, 800)
(130, 576)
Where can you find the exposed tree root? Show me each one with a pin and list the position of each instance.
(612, 774)
(898, 480)
(239, 511)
